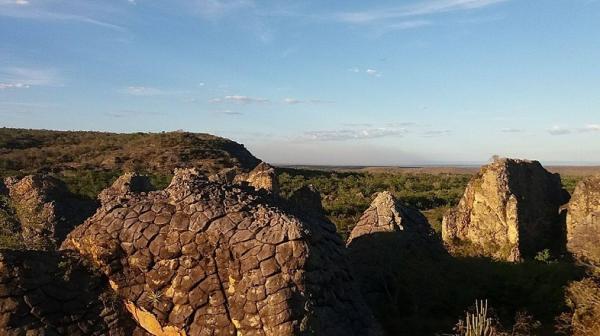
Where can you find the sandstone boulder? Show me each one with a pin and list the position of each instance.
(263, 176)
(205, 258)
(583, 221)
(509, 211)
(45, 210)
(45, 293)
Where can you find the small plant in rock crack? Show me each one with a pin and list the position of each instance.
(154, 296)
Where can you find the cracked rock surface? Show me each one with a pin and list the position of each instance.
(583, 221)
(46, 293)
(509, 211)
(205, 258)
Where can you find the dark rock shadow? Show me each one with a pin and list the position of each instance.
(414, 289)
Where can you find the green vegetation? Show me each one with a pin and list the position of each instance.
(24, 151)
(346, 195)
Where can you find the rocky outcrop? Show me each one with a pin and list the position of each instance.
(307, 200)
(583, 221)
(125, 184)
(263, 176)
(388, 248)
(45, 293)
(387, 215)
(509, 211)
(205, 258)
(45, 210)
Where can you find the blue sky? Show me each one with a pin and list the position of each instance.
(321, 82)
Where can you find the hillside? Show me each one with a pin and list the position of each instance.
(89, 161)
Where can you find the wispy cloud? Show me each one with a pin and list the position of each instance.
(214, 9)
(143, 91)
(436, 133)
(80, 12)
(591, 128)
(238, 99)
(352, 134)
(558, 130)
(131, 113)
(294, 101)
(370, 72)
(421, 8)
(511, 130)
(229, 112)
(23, 78)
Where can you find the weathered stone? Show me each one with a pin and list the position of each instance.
(263, 176)
(237, 250)
(46, 293)
(307, 199)
(583, 221)
(45, 209)
(125, 184)
(387, 239)
(510, 211)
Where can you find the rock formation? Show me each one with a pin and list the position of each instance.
(45, 210)
(387, 215)
(509, 211)
(126, 183)
(263, 176)
(307, 200)
(45, 293)
(205, 258)
(583, 221)
(389, 248)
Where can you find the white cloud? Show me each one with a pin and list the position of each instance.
(558, 130)
(436, 133)
(370, 72)
(373, 72)
(294, 101)
(22, 78)
(421, 8)
(238, 99)
(592, 128)
(4, 86)
(352, 134)
(143, 91)
(511, 130)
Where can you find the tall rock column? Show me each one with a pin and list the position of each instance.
(509, 211)
(583, 221)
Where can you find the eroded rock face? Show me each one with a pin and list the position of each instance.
(45, 293)
(307, 199)
(386, 214)
(45, 210)
(387, 248)
(509, 211)
(263, 176)
(204, 258)
(583, 221)
(125, 184)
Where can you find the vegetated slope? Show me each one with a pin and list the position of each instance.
(89, 161)
(24, 150)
